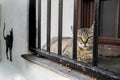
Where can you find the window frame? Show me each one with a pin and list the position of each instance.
(35, 48)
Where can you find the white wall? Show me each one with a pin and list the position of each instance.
(0, 30)
(14, 13)
(67, 18)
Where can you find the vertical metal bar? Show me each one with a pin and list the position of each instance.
(75, 23)
(119, 20)
(79, 13)
(48, 24)
(32, 24)
(39, 24)
(95, 44)
(101, 21)
(60, 27)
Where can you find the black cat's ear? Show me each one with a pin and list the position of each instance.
(11, 29)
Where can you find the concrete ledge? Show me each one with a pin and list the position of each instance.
(58, 68)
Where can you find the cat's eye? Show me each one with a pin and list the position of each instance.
(89, 42)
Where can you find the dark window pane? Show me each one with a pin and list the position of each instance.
(108, 18)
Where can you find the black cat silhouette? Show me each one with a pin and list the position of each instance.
(9, 43)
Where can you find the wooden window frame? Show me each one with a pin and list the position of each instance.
(85, 13)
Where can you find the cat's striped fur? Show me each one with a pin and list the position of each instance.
(84, 45)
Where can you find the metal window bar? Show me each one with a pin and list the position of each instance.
(119, 22)
(95, 42)
(95, 71)
(60, 27)
(75, 23)
(39, 24)
(48, 24)
(32, 24)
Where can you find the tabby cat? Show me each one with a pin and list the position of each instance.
(84, 45)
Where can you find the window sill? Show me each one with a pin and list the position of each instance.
(72, 75)
(55, 67)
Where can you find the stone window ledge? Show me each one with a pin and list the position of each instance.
(55, 67)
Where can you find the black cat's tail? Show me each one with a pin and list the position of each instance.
(4, 31)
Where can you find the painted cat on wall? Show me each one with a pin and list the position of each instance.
(9, 42)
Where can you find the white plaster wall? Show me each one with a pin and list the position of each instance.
(67, 18)
(14, 13)
(0, 30)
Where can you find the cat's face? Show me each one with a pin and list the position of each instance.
(85, 38)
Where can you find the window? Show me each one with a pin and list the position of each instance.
(85, 12)
(109, 19)
(109, 42)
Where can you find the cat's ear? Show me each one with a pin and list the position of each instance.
(11, 29)
(92, 26)
(91, 29)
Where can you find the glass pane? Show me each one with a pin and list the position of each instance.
(108, 18)
(109, 55)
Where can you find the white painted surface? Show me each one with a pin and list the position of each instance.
(14, 13)
(67, 18)
(0, 30)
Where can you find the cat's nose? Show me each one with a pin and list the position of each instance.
(85, 46)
